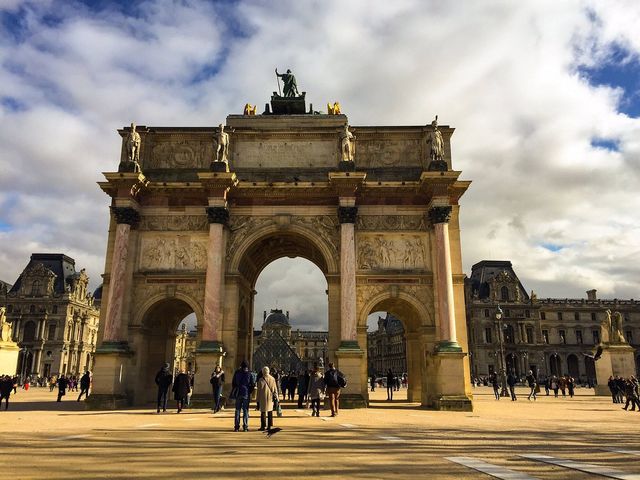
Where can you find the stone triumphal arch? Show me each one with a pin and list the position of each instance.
(197, 213)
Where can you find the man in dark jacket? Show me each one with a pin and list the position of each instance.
(511, 381)
(85, 382)
(391, 382)
(163, 381)
(181, 389)
(531, 381)
(6, 385)
(334, 381)
(63, 383)
(303, 386)
(242, 386)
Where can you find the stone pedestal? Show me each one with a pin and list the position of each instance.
(446, 389)
(9, 352)
(109, 377)
(208, 356)
(349, 362)
(616, 359)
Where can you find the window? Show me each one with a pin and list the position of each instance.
(487, 335)
(563, 336)
(529, 333)
(527, 314)
(508, 334)
(55, 309)
(629, 336)
(29, 333)
(560, 316)
(504, 294)
(486, 313)
(507, 312)
(35, 288)
(543, 316)
(52, 332)
(545, 336)
(579, 337)
(576, 316)
(593, 316)
(32, 309)
(596, 336)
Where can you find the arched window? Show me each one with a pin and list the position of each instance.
(32, 309)
(504, 294)
(35, 288)
(509, 334)
(29, 333)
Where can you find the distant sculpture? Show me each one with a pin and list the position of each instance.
(347, 144)
(533, 297)
(437, 143)
(616, 329)
(333, 109)
(222, 145)
(133, 147)
(290, 87)
(605, 328)
(249, 109)
(5, 327)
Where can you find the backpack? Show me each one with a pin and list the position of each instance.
(342, 381)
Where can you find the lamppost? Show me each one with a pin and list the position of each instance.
(25, 354)
(503, 360)
(324, 352)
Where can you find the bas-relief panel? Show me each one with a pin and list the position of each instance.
(392, 252)
(175, 252)
(180, 154)
(388, 152)
(285, 152)
(174, 223)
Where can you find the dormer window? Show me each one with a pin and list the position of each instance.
(504, 294)
(36, 288)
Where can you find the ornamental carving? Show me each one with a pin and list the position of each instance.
(37, 280)
(127, 215)
(364, 293)
(379, 252)
(240, 227)
(390, 222)
(324, 225)
(173, 253)
(182, 154)
(174, 223)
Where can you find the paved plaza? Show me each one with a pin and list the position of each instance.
(44, 439)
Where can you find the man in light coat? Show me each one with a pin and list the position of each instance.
(267, 391)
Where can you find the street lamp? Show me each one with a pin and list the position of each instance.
(324, 352)
(503, 361)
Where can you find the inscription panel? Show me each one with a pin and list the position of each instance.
(284, 153)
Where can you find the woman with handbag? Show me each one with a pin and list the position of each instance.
(316, 390)
(267, 397)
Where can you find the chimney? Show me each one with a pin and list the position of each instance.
(591, 294)
(264, 316)
(287, 313)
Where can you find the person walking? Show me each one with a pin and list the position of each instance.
(303, 387)
(493, 378)
(631, 393)
(242, 386)
(571, 386)
(531, 381)
(267, 396)
(6, 385)
(63, 383)
(334, 380)
(164, 379)
(181, 389)
(217, 382)
(373, 382)
(391, 381)
(511, 381)
(554, 386)
(85, 382)
(316, 390)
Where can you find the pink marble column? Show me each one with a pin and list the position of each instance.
(125, 218)
(447, 319)
(348, 331)
(211, 335)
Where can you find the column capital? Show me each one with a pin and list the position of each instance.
(128, 215)
(218, 215)
(347, 214)
(439, 214)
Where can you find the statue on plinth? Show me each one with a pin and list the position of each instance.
(436, 153)
(132, 143)
(605, 328)
(347, 145)
(290, 87)
(5, 327)
(616, 329)
(221, 161)
(333, 109)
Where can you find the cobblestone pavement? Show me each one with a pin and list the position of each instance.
(583, 437)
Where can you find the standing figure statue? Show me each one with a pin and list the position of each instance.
(222, 145)
(605, 328)
(290, 88)
(133, 147)
(437, 143)
(347, 145)
(616, 329)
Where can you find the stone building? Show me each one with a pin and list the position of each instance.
(387, 347)
(185, 354)
(278, 345)
(53, 317)
(548, 336)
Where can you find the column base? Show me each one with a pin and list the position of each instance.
(209, 346)
(446, 387)
(349, 345)
(110, 371)
(349, 358)
(453, 403)
(209, 354)
(114, 347)
(97, 401)
(448, 346)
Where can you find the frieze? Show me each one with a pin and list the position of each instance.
(390, 222)
(324, 225)
(389, 153)
(180, 252)
(163, 223)
(399, 252)
(181, 154)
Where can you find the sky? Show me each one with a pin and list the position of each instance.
(544, 96)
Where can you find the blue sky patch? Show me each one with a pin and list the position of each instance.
(552, 247)
(12, 104)
(620, 70)
(4, 227)
(606, 143)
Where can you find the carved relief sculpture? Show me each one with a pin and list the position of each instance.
(347, 145)
(404, 253)
(174, 253)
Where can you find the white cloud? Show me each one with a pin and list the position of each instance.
(503, 73)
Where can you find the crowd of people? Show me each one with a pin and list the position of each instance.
(265, 387)
(625, 389)
(9, 384)
(390, 380)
